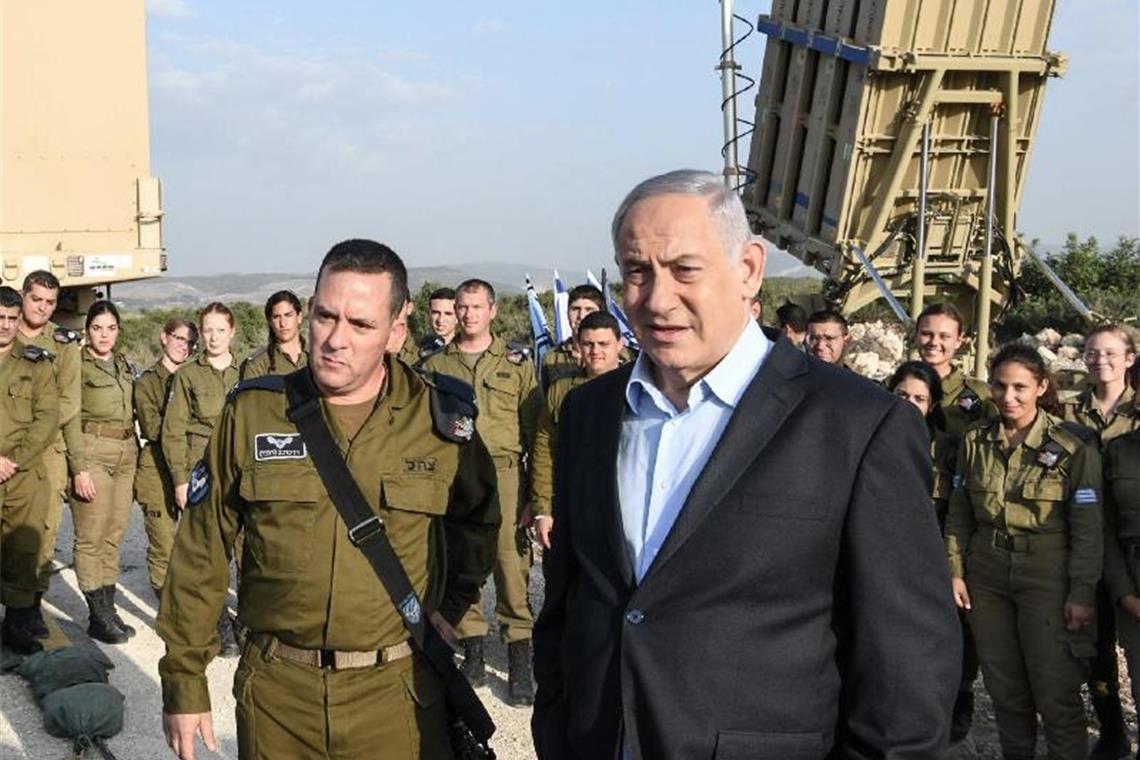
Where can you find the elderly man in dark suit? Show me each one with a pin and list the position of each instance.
(746, 562)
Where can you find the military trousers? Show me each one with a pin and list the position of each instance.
(24, 500)
(511, 572)
(101, 523)
(289, 710)
(155, 495)
(1030, 662)
(1128, 628)
(55, 462)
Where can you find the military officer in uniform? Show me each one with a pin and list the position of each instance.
(29, 421)
(509, 405)
(827, 336)
(327, 669)
(599, 344)
(102, 453)
(154, 490)
(564, 359)
(285, 350)
(1025, 542)
(938, 336)
(41, 297)
(1107, 405)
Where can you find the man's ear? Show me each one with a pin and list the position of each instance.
(753, 256)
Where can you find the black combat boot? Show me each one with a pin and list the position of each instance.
(18, 631)
(520, 684)
(39, 627)
(109, 594)
(229, 644)
(474, 667)
(101, 624)
(1113, 741)
(963, 717)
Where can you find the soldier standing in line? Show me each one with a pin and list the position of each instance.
(1107, 406)
(285, 351)
(1025, 543)
(441, 314)
(196, 399)
(154, 491)
(509, 404)
(938, 337)
(564, 359)
(599, 345)
(827, 336)
(29, 421)
(102, 453)
(41, 297)
(327, 668)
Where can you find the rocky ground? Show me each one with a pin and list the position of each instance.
(135, 674)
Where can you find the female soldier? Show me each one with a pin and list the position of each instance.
(285, 350)
(153, 489)
(1025, 541)
(1122, 544)
(196, 399)
(1107, 407)
(919, 383)
(102, 454)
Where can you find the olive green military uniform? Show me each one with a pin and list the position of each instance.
(63, 346)
(306, 588)
(508, 400)
(564, 361)
(965, 401)
(196, 399)
(1124, 417)
(29, 423)
(154, 491)
(944, 456)
(1122, 541)
(409, 353)
(271, 360)
(546, 442)
(1025, 531)
(108, 450)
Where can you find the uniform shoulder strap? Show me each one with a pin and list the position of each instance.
(1083, 433)
(453, 406)
(275, 383)
(66, 335)
(37, 354)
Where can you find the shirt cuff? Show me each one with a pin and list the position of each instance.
(185, 695)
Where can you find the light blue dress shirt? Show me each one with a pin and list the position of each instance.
(662, 450)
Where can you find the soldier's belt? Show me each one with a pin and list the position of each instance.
(108, 430)
(1023, 542)
(331, 659)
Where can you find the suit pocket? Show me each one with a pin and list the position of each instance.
(766, 745)
(776, 504)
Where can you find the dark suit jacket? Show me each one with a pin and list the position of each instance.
(799, 608)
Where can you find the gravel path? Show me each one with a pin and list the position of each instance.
(135, 674)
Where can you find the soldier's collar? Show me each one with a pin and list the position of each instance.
(954, 381)
(397, 386)
(1037, 434)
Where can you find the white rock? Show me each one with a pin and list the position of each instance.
(1075, 340)
(1049, 338)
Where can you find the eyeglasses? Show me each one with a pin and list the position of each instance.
(181, 339)
(1108, 356)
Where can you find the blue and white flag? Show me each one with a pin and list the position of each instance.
(561, 311)
(619, 315)
(538, 328)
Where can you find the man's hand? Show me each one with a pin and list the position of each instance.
(543, 526)
(181, 729)
(84, 486)
(961, 595)
(445, 631)
(526, 516)
(1130, 603)
(1078, 616)
(7, 468)
(180, 494)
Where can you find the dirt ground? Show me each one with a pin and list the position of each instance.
(135, 674)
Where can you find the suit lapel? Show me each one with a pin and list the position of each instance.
(763, 408)
(611, 420)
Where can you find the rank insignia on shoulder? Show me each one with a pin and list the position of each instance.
(517, 353)
(516, 357)
(36, 354)
(411, 610)
(199, 483)
(1049, 455)
(66, 335)
(432, 346)
(967, 401)
(1085, 496)
(272, 446)
(462, 428)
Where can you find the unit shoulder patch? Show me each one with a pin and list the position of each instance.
(199, 483)
(1086, 497)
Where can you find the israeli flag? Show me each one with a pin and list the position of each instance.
(561, 311)
(538, 329)
(619, 315)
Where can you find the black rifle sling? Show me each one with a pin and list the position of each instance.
(367, 533)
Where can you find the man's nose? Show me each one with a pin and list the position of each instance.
(660, 294)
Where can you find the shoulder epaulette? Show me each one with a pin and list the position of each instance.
(66, 335)
(432, 347)
(453, 406)
(255, 354)
(264, 383)
(37, 354)
(517, 353)
(1082, 432)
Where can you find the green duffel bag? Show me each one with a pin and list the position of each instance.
(50, 671)
(86, 714)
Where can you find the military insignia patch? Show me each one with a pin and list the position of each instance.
(199, 483)
(956, 481)
(1049, 455)
(462, 427)
(36, 354)
(967, 401)
(268, 447)
(1085, 496)
(410, 609)
(66, 335)
(516, 357)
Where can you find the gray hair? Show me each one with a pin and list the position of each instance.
(725, 206)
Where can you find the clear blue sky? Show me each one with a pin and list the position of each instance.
(509, 131)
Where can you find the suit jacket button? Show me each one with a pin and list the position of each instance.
(633, 617)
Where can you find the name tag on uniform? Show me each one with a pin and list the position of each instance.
(268, 447)
(1085, 496)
